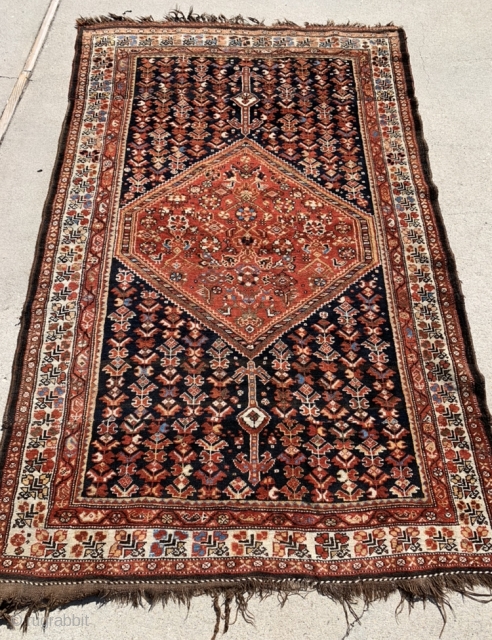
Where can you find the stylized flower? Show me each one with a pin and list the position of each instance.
(346, 253)
(209, 244)
(247, 276)
(17, 540)
(283, 283)
(314, 228)
(246, 214)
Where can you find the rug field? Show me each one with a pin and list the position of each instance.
(244, 365)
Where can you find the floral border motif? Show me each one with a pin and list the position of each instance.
(75, 242)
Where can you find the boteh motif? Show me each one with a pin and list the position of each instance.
(243, 355)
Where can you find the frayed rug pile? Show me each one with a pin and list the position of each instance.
(244, 366)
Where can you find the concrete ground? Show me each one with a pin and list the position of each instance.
(450, 49)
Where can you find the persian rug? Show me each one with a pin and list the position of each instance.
(244, 365)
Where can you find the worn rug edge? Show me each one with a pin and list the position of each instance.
(33, 597)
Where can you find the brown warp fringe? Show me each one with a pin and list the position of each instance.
(177, 16)
(230, 593)
(33, 599)
(45, 598)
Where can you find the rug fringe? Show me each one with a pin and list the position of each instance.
(32, 599)
(177, 16)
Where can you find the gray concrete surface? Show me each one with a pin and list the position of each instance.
(451, 54)
(18, 27)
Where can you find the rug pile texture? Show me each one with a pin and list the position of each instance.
(244, 366)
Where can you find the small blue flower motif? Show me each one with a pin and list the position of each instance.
(220, 535)
(176, 276)
(246, 214)
(319, 282)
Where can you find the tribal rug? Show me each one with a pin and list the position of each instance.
(244, 366)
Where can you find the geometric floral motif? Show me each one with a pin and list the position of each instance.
(308, 113)
(243, 358)
(167, 420)
(244, 242)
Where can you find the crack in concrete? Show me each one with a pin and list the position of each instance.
(420, 53)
